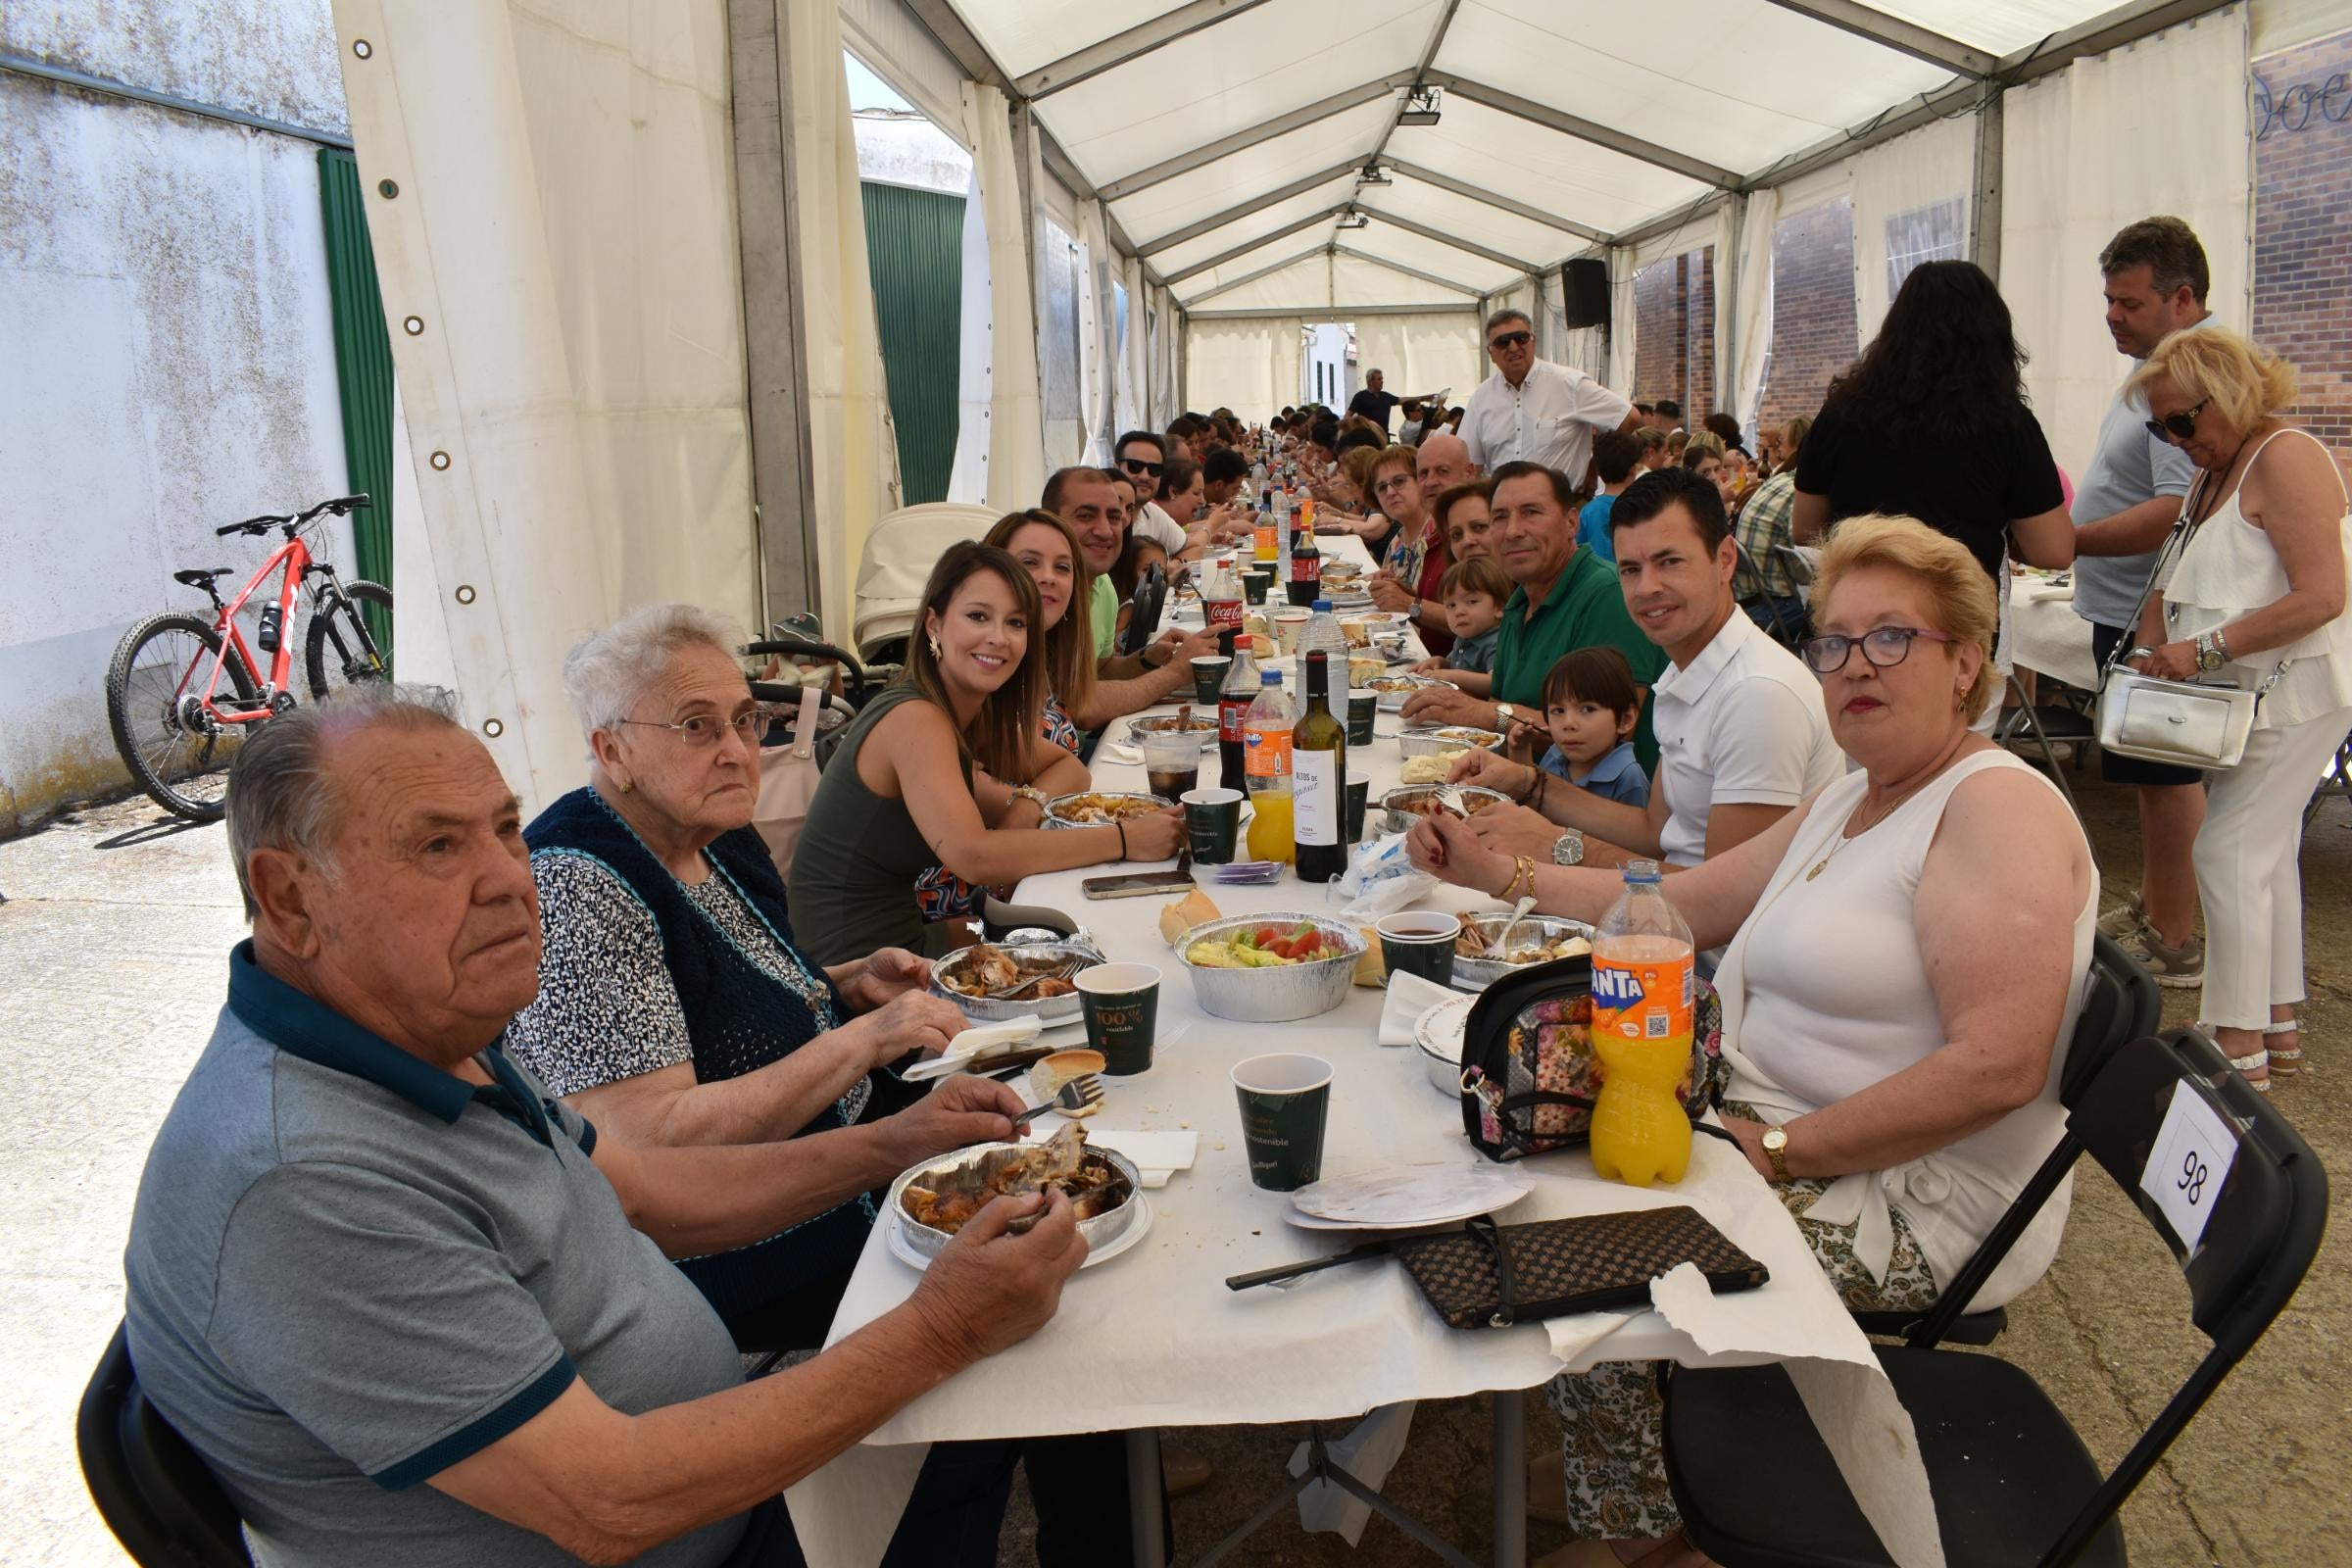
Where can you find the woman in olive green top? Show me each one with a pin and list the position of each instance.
(948, 767)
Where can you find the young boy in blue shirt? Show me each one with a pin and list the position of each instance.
(1590, 704)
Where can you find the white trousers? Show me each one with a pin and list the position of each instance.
(2247, 873)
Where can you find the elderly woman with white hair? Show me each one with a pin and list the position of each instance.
(674, 1006)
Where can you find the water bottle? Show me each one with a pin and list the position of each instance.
(265, 636)
(1643, 983)
(1267, 739)
(1323, 633)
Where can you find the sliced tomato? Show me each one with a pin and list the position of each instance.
(1280, 947)
(1308, 945)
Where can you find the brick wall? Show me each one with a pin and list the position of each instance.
(2303, 230)
(1674, 332)
(1813, 335)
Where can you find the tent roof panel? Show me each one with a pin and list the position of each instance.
(1360, 280)
(1386, 242)
(1210, 83)
(1168, 205)
(1731, 82)
(1272, 256)
(1262, 224)
(1303, 286)
(1024, 34)
(1474, 220)
(1998, 26)
(1581, 181)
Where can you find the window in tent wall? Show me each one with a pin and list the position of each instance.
(1123, 399)
(1935, 232)
(1813, 329)
(2302, 122)
(1058, 350)
(1674, 332)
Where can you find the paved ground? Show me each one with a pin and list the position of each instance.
(111, 938)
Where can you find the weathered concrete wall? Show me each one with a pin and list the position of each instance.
(165, 333)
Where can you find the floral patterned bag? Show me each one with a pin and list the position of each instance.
(1529, 1071)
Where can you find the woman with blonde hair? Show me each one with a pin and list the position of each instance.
(1906, 957)
(2255, 601)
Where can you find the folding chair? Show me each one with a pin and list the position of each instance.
(1799, 560)
(2337, 783)
(2120, 1004)
(2013, 1483)
(152, 1490)
(2043, 725)
(1786, 635)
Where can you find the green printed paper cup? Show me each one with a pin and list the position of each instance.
(1420, 942)
(1208, 674)
(1286, 1102)
(1363, 709)
(1213, 819)
(1359, 794)
(1122, 1002)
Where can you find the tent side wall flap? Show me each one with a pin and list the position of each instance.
(669, 387)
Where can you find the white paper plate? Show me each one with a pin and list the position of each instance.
(1406, 1197)
(907, 1254)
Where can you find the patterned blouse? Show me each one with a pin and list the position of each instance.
(940, 893)
(606, 1009)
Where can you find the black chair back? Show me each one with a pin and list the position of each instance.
(1151, 597)
(152, 1491)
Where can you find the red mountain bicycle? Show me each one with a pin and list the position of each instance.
(174, 723)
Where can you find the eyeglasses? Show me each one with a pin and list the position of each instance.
(1885, 647)
(703, 729)
(1510, 340)
(1139, 466)
(2176, 427)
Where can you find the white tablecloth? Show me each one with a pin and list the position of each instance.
(2045, 634)
(1154, 1339)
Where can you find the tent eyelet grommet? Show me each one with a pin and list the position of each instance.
(413, 325)
(387, 188)
(440, 461)
(363, 48)
(465, 594)
(493, 728)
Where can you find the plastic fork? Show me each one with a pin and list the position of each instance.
(1076, 1095)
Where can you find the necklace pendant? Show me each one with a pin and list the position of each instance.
(1817, 868)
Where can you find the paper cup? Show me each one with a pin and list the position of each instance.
(1420, 942)
(1360, 794)
(1213, 817)
(1286, 1102)
(1363, 708)
(1288, 624)
(1208, 673)
(1122, 1002)
(1255, 585)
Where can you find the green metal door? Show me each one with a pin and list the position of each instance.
(914, 252)
(363, 369)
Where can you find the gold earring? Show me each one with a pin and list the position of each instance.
(626, 786)
(933, 639)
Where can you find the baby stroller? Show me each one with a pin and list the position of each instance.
(896, 561)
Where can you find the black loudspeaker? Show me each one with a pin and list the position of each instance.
(1585, 285)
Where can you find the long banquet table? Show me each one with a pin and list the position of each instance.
(1154, 1339)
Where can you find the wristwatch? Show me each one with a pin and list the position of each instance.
(2210, 655)
(1506, 712)
(1776, 1149)
(1568, 849)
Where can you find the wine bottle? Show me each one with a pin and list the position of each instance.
(1318, 779)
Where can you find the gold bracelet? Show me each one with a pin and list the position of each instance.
(1523, 870)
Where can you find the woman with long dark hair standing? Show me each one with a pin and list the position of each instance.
(1932, 423)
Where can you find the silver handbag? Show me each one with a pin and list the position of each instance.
(2183, 723)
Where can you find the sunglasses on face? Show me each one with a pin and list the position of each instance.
(2176, 427)
(1512, 340)
(1883, 647)
(1139, 466)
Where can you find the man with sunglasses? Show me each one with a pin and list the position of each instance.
(1142, 458)
(2130, 496)
(1742, 736)
(1533, 411)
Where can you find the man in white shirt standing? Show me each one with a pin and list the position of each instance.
(1534, 410)
(2126, 503)
(1741, 737)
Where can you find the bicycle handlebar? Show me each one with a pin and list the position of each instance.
(341, 505)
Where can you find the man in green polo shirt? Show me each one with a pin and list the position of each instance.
(1567, 597)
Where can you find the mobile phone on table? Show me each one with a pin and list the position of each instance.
(1137, 884)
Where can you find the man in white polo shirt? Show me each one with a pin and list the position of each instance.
(1741, 737)
(1533, 411)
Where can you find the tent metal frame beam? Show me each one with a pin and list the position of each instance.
(1455, 284)
(1472, 247)
(1320, 248)
(1133, 44)
(1338, 103)
(1477, 193)
(1893, 32)
(1257, 204)
(1262, 241)
(1617, 141)
(1343, 314)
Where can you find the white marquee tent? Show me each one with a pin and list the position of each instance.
(1164, 193)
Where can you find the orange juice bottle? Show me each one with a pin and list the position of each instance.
(1643, 985)
(1266, 766)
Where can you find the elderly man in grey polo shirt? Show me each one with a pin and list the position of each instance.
(409, 1307)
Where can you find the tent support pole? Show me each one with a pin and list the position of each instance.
(1985, 209)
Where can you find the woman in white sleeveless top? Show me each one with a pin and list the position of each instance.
(1907, 956)
(2261, 584)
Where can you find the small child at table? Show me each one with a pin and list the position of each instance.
(1473, 592)
(1590, 705)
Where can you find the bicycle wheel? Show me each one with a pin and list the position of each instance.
(174, 752)
(339, 651)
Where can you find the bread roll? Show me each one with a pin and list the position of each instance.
(1372, 969)
(1193, 909)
